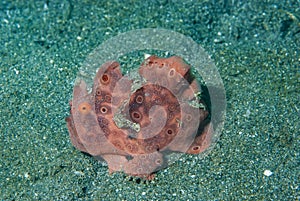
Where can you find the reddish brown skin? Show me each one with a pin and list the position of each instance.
(93, 130)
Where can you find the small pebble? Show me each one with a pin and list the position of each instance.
(268, 173)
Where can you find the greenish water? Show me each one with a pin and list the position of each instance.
(255, 47)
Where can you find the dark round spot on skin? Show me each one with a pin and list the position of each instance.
(105, 121)
(108, 98)
(102, 122)
(139, 99)
(156, 146)
(157, 101)
(170, 131)
(136, 116)
(148, 63)
(106, 131)
(161, 65)
(151, 147)
(103, 110)
(139, 171)
(131, 148)
(172, 72)
(172, 107)
(188, 117)
(196, 148)
(158, 161)
(105, 78)
(170, 116)
(84, 108)
(117, 144)
(98, 92)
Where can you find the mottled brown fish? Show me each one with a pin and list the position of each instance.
(135, 124)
